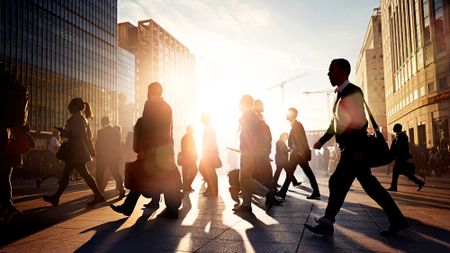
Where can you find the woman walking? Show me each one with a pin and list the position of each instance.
(79, 150)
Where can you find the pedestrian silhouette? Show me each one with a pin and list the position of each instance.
(210, 160)
(153, 141)
(300, 155)
(188, 159)
(251, 146)
(107, 146)
(349, 126)
(79, 150)
(404, 164)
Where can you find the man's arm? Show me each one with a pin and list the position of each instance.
(326, 137)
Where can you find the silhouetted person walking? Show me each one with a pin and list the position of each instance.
(251, 147)
(210, 157)
(153, 141)
(349, 126)
(263, 172)
(282, 159)
(404, 164)
(80, 150)
(107, 148)
(188, 159)
(300, 155)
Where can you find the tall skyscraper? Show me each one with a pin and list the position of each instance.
(416, 46)
(126, 88)
(162, 58)
(369, 71)
(60, 50)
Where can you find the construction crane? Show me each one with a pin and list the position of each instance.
(329, 93)
(282, 85)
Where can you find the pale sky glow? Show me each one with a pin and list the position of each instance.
(244, 46)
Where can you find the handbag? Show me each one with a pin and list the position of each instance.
(63, 151)
(378, 153)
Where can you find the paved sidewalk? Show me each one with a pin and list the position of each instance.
(209, 225)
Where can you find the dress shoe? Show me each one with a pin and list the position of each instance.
(395, 228)
(296, 184)
(314, 195)
(322, 228)
(391, 189)
(52, 200)
(271, 200)
(243, 209)
(96, 200)
(119, 209)
(420, 185)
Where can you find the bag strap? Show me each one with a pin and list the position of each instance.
(372, 119)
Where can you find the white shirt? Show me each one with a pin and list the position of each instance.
(350, 112)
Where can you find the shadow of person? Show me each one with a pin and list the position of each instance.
(37, 219)
(193, 231)
(102, 234)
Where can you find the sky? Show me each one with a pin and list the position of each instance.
(246, 46)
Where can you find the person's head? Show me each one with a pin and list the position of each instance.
(397, 128)
(104, 121)
(259, 106)
(190, 129)
(206, 119)
(339, 71)
(79, 105)
(154, 90)
(284, 136)
(118, 129)
(55, 133)
(247, 103)
(291, 114)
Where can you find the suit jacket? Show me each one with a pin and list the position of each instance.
(400, 147)
(281, 154)
(298, 142)
(79, 133)
(349, 123)
(107, 144)
(153, 134)
(188, 149)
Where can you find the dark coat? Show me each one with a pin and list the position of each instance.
(281, 154)
(298, 142)
(79, 133)
(400, 147)
(188, 149)
(107, 144)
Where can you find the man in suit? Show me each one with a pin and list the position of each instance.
(403, 159)
(300, 155)
(153, 141)
(349, 126)
(107, 148)
(188, 159)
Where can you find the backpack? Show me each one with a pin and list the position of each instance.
(13, 103)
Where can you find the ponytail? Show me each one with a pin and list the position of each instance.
(88, 113)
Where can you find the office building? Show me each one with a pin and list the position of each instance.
(162, 58)
(126, 88)
(60, 50)
(369, 71)
(416, 50)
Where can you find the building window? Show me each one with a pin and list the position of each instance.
(426, 22)
(439, 27)
(422, 90)
(431, 87)
(443, 83)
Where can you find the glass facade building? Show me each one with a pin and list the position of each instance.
(416, 50)
(59, 50)
(126, 75)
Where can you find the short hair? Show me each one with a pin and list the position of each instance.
(398, 127)
(259, 106)
(247, 102)
(293, 111)
(155, 89)
(343, 64)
